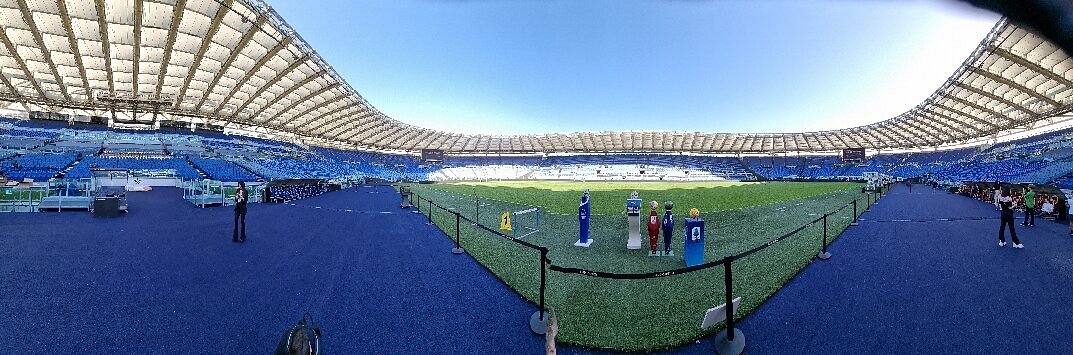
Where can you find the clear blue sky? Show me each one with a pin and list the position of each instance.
(509, 67)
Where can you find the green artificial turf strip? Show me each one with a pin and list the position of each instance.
(9, 194)
(653, 313)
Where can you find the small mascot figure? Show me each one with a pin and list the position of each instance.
(668, 228)
(653, 229)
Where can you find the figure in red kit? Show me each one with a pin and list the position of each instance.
(653, 229)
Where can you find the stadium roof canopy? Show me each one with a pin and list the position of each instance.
(238, 63)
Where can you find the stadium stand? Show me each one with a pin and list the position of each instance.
(640, 167)
(1015, 80)
(150, 164)
(223, 170)
(36, 166)
(1043, 158)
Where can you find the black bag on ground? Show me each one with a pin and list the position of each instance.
(303, 338)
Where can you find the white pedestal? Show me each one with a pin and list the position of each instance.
(634, 230)
(585, 244)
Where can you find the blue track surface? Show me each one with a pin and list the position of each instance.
(937, 287)
(165, 278)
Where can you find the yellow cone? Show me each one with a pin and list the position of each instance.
(504, 222)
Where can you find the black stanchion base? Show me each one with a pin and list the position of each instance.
(539, 326)
(854, 224)
(823, 255)
(457, 250)
(428, 223)
(723, 346)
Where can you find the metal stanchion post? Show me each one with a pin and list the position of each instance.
(730, 340)
(868, 208)
(429, 223)
(538, 322)
(458, 241)
(854, 223)
(824, 255)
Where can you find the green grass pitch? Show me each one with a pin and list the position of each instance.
(654, 313)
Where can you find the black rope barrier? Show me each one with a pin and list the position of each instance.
(481, 226)
(538, 323)
(638, 276)
(501, 235)
(679, 271)
(777, 240)
(839, 209)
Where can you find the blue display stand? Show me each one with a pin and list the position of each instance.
(583, 221)
(694, 242)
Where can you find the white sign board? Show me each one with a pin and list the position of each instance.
(718, 314)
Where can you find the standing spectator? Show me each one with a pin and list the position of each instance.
(1069, 212)
(1030, 207)
(1063, 207)
(1048, 208)
(1006, 204)
(240, 213)
(998, 194)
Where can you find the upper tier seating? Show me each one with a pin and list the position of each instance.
(133, 162)
(37, 166)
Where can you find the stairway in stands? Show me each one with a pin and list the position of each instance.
(204, 175)
(756, 175)
(1064, 181)
(252, 167)
(70, 166)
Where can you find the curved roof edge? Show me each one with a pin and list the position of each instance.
(237, 63)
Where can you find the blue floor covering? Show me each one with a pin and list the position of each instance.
(900, 286)
(165, 278)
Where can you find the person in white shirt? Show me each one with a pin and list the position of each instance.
(998, 194)
(1048, 207)
(1069, 215)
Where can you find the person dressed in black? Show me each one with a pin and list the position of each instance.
(240, 213)
(1006, 205)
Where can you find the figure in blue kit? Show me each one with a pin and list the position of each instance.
(668, 228)
(583, 221)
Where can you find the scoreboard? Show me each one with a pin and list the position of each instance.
(433, 155)
(853, 154)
